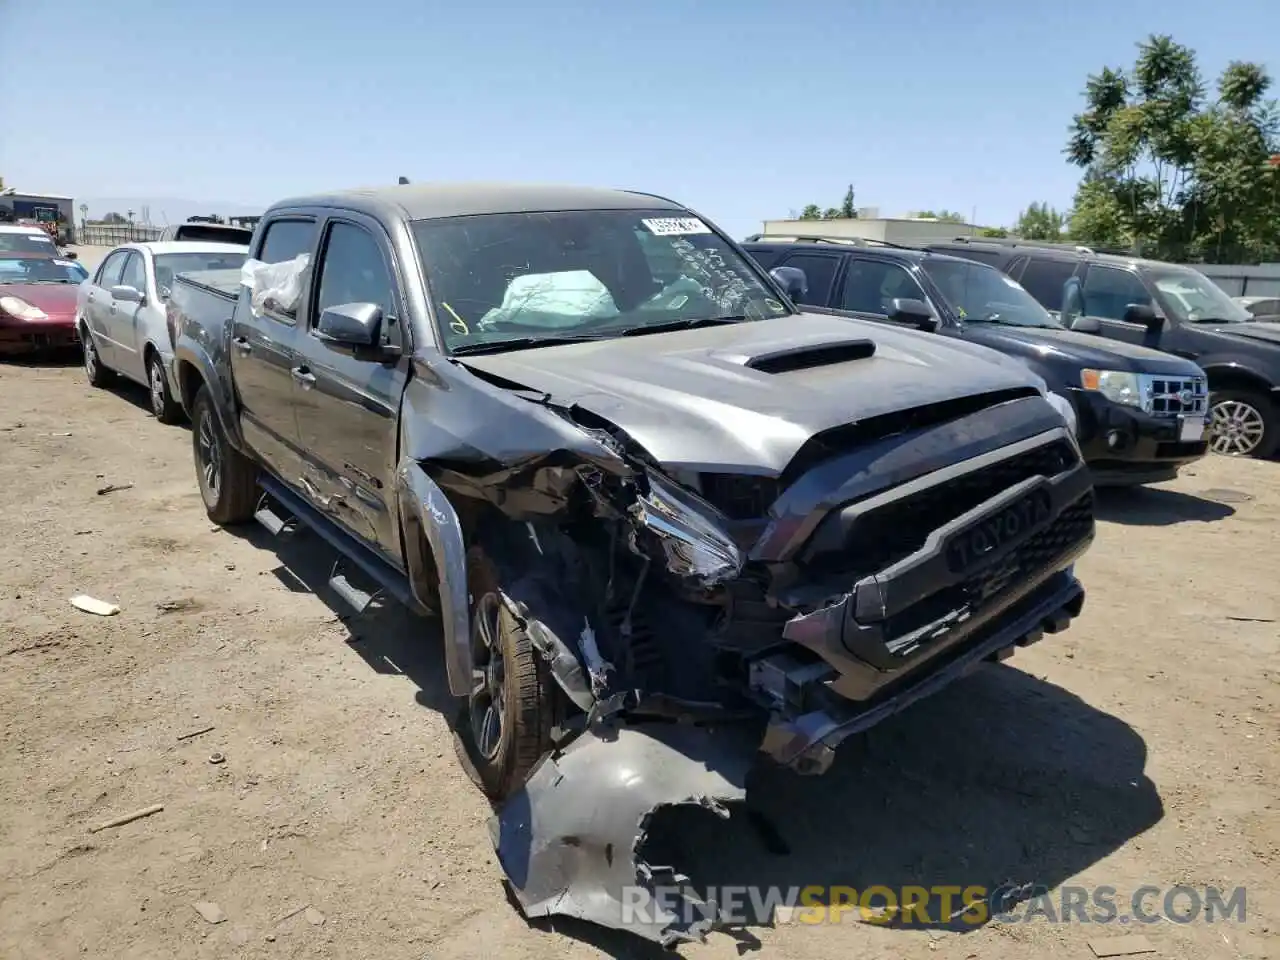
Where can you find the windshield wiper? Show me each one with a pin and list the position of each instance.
(690, 323)
(519, 343)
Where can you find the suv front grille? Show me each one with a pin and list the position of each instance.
(1173, 396)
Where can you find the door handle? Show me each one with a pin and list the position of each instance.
(242, 344)
(304, 377)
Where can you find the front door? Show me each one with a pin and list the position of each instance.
(348, 408)
(263, 358)
(122, 319)
(1107, 293)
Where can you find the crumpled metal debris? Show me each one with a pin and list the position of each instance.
(570, 840)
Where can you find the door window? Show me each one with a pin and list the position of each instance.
(871, 285)
(134, 273)
(1045, 279)
(286, 239)
(352, 270)
(819, 271)
(109, 274)
(1109, 291)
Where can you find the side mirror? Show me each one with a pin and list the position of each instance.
(1145, 315)
(70, 255)
(913, 311)
(351, 325)
(1085, 325)
(128, 294)
(792, 281)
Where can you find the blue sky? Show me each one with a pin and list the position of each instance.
(743, 110)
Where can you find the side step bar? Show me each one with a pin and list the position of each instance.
(272, 521)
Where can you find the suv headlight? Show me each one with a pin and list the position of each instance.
(689, 531)
(1118, 386)
(17, 307)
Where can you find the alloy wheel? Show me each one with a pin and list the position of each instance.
(1236, 428)
(487, 701)
(156, 378)
(90, 358)
(210, 455)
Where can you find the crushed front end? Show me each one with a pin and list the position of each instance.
(890, 557)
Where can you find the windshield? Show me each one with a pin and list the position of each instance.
(40, 270)
(982, 294)
(1193, 298)
(533, 277)
(168, 265)
(26, 243)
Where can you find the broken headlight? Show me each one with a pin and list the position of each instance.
(688, 530)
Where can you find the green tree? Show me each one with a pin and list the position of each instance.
(1171, 171)
(1040, 222)
(848, 210)
(946, 216)
(811, 212)
(114, 217)
(998, 232)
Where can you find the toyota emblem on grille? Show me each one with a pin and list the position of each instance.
(1186, 397)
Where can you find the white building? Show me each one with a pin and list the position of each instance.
(904, 230)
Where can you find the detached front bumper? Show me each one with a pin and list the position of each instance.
(23, 337)
(1124, 445)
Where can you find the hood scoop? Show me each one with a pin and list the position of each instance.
(812, 355)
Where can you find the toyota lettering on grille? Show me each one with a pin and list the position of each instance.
(988, 536)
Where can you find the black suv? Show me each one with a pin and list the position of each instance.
(1162, 305)
(1140, 413)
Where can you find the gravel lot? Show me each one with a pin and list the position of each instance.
(1138, 748)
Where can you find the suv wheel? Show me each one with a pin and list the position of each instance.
(1243, 424)
(510, 706)
(165, 408)
(228, 479)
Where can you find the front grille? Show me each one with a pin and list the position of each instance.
(739, 496)
(900, 528)
(1173, 396)
(966, 599)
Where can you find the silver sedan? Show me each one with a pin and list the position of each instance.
(121, 313)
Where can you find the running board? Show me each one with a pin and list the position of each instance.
(272, 521)
(346, 591)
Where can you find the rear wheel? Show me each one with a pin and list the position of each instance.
(510, 707)
(1243, 423)
(228, 479)
(165, 408)
(99, 375)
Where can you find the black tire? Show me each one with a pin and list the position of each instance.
(227, 478)
(99, 374)
(163, 406)
(523, 693)
(1243, 423)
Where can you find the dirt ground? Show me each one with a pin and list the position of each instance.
(1138, 748)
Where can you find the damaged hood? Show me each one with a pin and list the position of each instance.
(694, 402)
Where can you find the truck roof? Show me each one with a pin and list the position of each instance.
(429, 201)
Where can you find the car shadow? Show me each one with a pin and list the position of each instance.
(1152, 507)
(1002, 779)
(56, 359)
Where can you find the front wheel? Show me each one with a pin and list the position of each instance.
(1243, 423)
(510, 707)
(228, 479)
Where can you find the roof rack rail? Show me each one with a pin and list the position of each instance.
(1018, 242)
(817, 238)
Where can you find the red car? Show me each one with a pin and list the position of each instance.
(38, 302)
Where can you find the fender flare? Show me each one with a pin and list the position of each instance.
(428, 517)
(190, 354)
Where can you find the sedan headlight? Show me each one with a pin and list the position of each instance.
(1117, 386)
(17, 307)
(693, 542)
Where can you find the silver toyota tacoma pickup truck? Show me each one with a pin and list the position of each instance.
(668, 523)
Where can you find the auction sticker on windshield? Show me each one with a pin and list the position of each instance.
(675, 226)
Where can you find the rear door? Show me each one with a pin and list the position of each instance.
(97, 306)
(820, 271)
(1046, 280)
(263, 355)
(348, 408)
